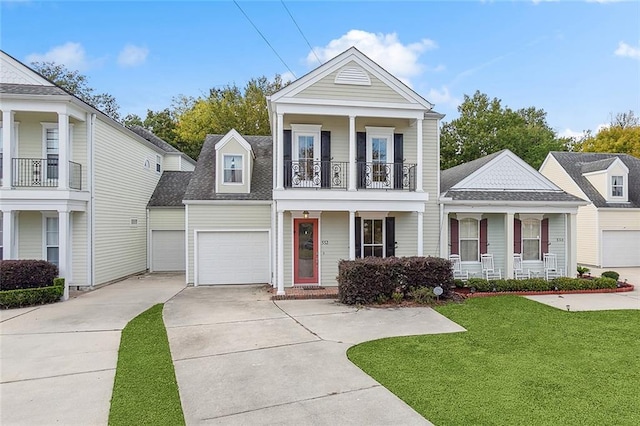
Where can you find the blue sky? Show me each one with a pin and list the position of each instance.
(578, 60)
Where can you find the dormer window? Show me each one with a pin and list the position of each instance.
(617, 186)
(232, 169)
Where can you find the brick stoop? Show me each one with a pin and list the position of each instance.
(308, 292)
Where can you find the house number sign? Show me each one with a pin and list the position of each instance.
(325, 242)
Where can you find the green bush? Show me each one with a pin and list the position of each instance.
(539, 284)
(32, 296)
(610, 274)
(27, 273)
(423, 295)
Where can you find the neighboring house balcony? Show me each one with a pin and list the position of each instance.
(310, 174)
(43, 173)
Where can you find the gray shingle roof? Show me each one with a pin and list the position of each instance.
(31, 89)
(203, 185)
(452, 176)
(541, 196)
(160, 143)
(596, 166)
(576, 162)
(170, 189)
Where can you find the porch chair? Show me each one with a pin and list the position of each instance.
(456, 267)
(518, 271)
(488, 270)
(551, 269)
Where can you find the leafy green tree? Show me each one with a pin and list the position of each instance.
(622, 136)
(78, 84)
(485, 126)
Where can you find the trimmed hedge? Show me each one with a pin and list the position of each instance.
(23, 274)
(32, 296)
(364, 281)
(539, 284)
(610, 274)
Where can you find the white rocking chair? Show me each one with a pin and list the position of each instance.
(551, 269)
(456, 267)
(488, 270)
(518, 271)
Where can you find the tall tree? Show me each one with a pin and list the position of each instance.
(485, 126)
(622, 136)
(78, 84)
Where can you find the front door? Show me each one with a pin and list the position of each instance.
(305, 251)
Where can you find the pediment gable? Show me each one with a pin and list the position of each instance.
(506, 172)
(13, 71)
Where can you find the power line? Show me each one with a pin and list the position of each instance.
(265, 39)
(301, 33)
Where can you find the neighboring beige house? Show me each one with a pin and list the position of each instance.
(609, 226)
(75, 183)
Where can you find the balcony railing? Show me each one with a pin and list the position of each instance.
(43, 173)
(335, 175)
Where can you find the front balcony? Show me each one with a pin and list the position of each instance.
(43, 173)
(312, 174)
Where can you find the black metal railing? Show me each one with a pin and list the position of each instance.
(316, 174)
(43, 173)
(335, 175)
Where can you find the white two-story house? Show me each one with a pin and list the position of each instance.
(74, 182)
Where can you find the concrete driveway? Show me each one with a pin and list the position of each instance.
(241, 358)
(57, 362)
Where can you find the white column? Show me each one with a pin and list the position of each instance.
(352, 235)
(420, 234)
(572, 246)
(63, 151)
(508, 223)
(7, 148)
(353, 167)
(419, 156)
(7, 234)
(280, 151)
(280, 231)
(64, 264)
(444, 233)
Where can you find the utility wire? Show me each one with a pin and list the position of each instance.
(301, 33)
(265, 39)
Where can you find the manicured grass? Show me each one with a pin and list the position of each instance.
(145, 389)
(519, 363)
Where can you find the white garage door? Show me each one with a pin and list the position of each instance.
(167, 251)
(620, 248)
(237, 257)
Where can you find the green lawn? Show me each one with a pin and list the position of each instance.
(145, 390)
(519, 363)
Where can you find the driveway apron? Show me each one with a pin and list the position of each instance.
(58, 361)
(241, 358)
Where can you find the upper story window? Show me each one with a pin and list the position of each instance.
(469, 235)
(617, 186)
(158, 164)
(379, 156)
(232, 168)
(305, 167)
(531, 239)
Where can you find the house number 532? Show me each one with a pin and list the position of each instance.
(325, 242)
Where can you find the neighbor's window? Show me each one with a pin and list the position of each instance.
(232, 169)
(158, 164)
(530, 239)
(373, 237)
(51, 240)
(617, 186)
(469, 239)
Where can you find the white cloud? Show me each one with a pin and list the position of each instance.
(627, 50)
(287, 76)
(568, 133)
(399, 59)
(442, 96)
(132, 56)
(70, 54)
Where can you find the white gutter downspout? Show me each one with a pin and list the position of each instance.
(91, 272)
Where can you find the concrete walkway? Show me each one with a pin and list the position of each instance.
(57, 362)
(241, 358)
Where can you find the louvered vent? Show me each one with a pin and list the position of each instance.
(353, 75)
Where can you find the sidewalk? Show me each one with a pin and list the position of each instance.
(58, 361)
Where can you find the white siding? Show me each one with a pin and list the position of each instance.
(211, 217)
(233, 147)
(79, 246)
(171, 163)
(334, 230)
(167, 219)
(558, 240)
(587, 235)
(121, 248)
(30, 235)
(406, 233)
(496, 240)
(553, 171)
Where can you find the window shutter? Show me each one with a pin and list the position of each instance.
(358, 237)
(517, 236)
(286, 156)
(483, 236)
(325, 158)
(361, 158)
(454, 231)
(390, 225)
(544, 237)
(398, 158)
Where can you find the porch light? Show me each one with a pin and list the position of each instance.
(305, 214)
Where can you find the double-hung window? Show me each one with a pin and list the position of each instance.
(52, 247)
(232, 168)
(617, 186)
(469, 234)
(531, 239)
(52, 151)
(373, 237)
